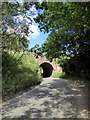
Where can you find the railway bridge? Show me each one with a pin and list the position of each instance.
(48, 68)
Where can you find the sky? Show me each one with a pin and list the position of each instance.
(37, 37)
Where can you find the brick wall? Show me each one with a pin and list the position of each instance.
(42, 59)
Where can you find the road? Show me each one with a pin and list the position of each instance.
(53, 98)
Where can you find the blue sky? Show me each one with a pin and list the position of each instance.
(37, 37)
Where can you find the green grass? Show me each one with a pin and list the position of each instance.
(19, 76)
(58, 75)
(65, 76)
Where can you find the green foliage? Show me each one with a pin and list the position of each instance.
(18, 75)
(36, 49)
(15, 23)
(68, 25)
(19, 70)
(57, 15)
(58, 75)
(75, 65)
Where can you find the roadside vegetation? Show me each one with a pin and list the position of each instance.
(19, 69)
(78, 71)
(58, 75)
(66, 76)
(18, 74)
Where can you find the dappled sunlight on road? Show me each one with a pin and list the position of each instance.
(54, 98)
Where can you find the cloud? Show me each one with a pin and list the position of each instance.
(35, 30)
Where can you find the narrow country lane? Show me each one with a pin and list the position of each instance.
(53, 98)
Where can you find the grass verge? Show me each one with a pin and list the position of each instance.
(65, 76)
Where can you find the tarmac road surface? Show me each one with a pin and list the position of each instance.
(53, 98)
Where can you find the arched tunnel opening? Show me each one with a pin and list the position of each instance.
(47, 69)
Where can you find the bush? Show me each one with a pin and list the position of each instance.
(18, 74)
(76, 65)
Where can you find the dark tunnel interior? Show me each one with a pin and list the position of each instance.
(47, 69)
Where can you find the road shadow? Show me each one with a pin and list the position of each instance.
(54, 98)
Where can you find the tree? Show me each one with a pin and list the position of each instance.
(37, 50)
(68, 25)
(15, 23)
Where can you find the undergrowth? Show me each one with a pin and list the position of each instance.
(18, 74)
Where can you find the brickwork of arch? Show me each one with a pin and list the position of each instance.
(43, 60)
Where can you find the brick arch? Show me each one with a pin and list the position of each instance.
(47, 69)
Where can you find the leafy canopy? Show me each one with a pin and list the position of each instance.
(68, 25)
(16, 21)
